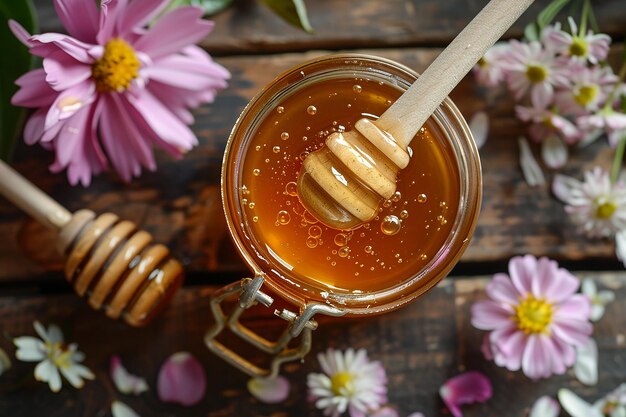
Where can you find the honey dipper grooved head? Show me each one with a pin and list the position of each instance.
(343, 184)
(117, 267)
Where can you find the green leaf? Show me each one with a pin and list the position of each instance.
(15, 61)
(531, 32)
(548, 14)
(292, 11)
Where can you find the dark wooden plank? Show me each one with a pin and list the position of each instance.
(420, 346)
(180, 203)
(249, 27)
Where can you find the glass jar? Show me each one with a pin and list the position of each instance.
(275, 255)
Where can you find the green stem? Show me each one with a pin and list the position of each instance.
(584, 17)
(621, 76)
(617, 160)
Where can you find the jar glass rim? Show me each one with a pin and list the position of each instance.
(447, 117)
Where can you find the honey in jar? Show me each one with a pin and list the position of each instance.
(417, 235)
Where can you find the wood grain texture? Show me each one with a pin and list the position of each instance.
(180, 204)
(250, 27)
(420, 346)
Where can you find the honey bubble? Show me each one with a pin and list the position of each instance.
(315, 231)
(251, 205)
(284, 136)
(368, 249)
(341, 239)
(311, 110)
(291, 189)
(312, 242)
(276, 149)
(280, 109)
(396, 197)
(256, 172)
(255, 219)
(404, 214)
(283, 217)
(357, 88)
(391, 225)
(343, 252)
(421, 198)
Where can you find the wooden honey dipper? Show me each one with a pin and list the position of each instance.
(111, 263)
(344, 183)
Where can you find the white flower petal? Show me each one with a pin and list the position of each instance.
(72, 376)
(29, 349)
(620, 246)
(479, 126)
(545, 407)
(47, 372)
(530, 168)
(5, 362)
(41, 331)
(54, 334)
(576, 406)
(562, 187)
(269, 390)
(588, 287)
(554, 152)
(125, 382)
(119, 409)
(586, 365)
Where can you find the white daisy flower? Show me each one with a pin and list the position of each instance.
(592, 47)
(596, 205)
(350, 382)
(54, 356)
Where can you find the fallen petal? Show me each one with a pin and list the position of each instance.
(479, 126)
(125, 382)
(181, 380)
(416, 415)
(562, 187)
(576, 406)
(554, 152)
(5, 362)
(586, 365)
(465, 388)
(620, 246)
(119, 409)
(545, 407)
(530, 168)
(269, 390)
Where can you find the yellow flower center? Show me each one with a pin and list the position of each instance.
(586, 94)
(482, 62)
(536, 73)
(578, 47)
(604, 208)
(341, 383)
(59, 354)
(533, 315)
(117, 68)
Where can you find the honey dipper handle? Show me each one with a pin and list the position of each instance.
(31, 199)
(407, 115)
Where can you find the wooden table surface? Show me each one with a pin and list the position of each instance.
(420, 345)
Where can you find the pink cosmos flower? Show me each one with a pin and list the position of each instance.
(534, 318)
(113, 87)
(590, 47)
(466, 388)
(531, 67)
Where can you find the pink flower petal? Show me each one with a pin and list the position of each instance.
(47, 43)
(501, 289)
(521, 269)
(416, 415)
(69, 102)
(577, 307)
(545, 407)
(269, 390)
(172, 32)
(488, 315)
(33, 130)
(63, 71)
(125, 382)
(508, 346)
(181, 380)
(465, 388)
(538, 356)
(388, 412)
(574, 332)
(34, 90)
(20, 33)
(485, 347)
(79, 17)
(138, 13)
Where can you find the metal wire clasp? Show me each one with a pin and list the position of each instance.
(250, 293)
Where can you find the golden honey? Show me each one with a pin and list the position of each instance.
(417, 235)
(410, 228)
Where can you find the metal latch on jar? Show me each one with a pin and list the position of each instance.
(250, 293)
